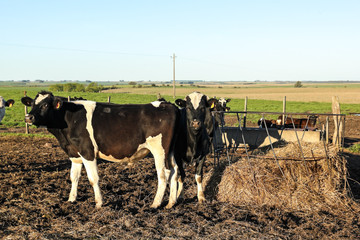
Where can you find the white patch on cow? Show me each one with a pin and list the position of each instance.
(222, 101)
(90, 108)
(2, 102)
(156, 103)
(195, 98)
(200, 191)
(76, 160)
(40, 98)
(113, 159)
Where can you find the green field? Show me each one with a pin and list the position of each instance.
(15, 116)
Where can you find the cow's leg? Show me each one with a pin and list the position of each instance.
(198, 178)
(181, 178)
(2, 113)
(75, 172)
(173, 182)
(159, 157)
(92, 172)
(155, 146)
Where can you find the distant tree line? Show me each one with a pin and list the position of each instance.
(76, 87)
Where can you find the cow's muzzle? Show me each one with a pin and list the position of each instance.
(29, 118)
(196, 124)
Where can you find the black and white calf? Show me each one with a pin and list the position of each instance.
(4, 104)
(193, 142)
(88, 130)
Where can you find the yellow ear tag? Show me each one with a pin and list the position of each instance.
(212, 105)
(58, 105)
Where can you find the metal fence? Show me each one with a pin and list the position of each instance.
(234, 132)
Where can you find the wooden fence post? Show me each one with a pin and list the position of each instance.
(327, 129)
(284, 110)
(337, 137)
(26, 112)
(109, 98)
(245, 110)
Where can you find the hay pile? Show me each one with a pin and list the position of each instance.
(316, 183)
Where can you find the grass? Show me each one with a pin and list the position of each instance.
(15, 116)
(34, 135)
(354, 148)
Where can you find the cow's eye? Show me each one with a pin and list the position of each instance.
(43, 107)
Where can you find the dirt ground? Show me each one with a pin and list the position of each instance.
(35, 183)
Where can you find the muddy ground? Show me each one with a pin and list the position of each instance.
(35, 183)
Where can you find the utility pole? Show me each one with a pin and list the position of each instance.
(173, 57)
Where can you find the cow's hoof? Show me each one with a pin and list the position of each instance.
(98, 205)
(202, 200)
(155, 206)
(169, 205)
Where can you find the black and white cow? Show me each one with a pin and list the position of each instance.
(4, 104)
(218, 105)
(193, 143)
(88, 130)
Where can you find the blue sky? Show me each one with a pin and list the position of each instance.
(213, 40)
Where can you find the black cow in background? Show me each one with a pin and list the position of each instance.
(193, 141)
(4, 104)
(218, 105)
(88, 130)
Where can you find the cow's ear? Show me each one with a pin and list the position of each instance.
(27, 101)
(58, 103)
(212, 102)
(180, 103)
(10, 102)
(228, 100)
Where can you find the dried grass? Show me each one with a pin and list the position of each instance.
(316, 183)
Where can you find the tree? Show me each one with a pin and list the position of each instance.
(69, 87)
(56, 88)
(80, 88)
(298, 84)
(93, 87)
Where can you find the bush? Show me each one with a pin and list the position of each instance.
(298, 84)
(80, 88)
(69, 87)
(56, 88)
(93, 87)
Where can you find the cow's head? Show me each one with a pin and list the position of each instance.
(219, 104)
(197, 110)
(44, 108)
(7, 103)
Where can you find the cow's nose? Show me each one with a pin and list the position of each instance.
(196, 124)
(29, 118)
